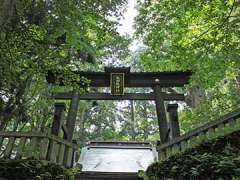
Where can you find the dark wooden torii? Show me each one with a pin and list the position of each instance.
(154, 80)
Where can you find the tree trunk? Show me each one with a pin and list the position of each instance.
(82, 121)
(15, 125)
(145, 118)
(7, 11)
(3, 125)
(195, 96)
(133, 132)
(238, 80)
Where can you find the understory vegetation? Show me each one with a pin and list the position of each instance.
(216, 159)
(30, 169)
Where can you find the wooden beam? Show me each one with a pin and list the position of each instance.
(134, 79)
(126, 96)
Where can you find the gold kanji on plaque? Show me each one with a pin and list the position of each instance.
(117, 83)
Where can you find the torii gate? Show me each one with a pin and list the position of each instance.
(117, 79)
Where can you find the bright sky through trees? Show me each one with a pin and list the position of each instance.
(128, 19)
(127, 24)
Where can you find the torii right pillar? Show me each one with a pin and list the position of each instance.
(161, 114)
(173, 120)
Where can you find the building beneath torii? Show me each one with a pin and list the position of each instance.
(117, 79)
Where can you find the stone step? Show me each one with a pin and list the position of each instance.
(107, 176)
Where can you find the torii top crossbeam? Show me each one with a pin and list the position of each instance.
(136, 79)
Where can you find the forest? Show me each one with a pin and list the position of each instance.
(38, 36)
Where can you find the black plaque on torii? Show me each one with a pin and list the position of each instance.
(154, 80)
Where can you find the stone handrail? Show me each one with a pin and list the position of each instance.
(22, 145)
(188, 140)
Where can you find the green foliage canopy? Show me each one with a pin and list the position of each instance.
(202, 36)
(38, 36)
